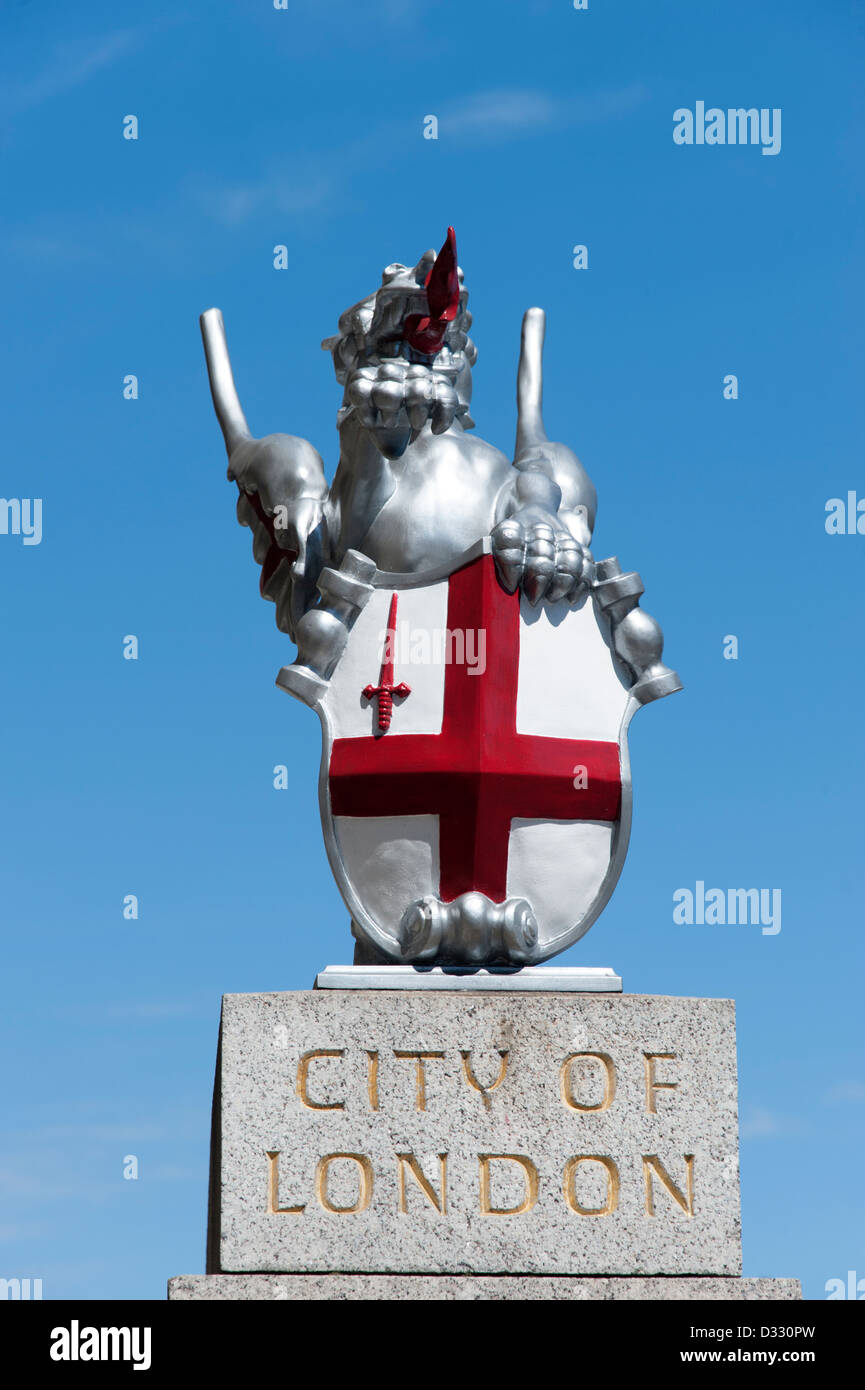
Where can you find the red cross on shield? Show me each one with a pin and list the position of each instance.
(506, 772)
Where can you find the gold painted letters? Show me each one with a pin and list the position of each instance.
(652, 1165)
(303, 1078)
(649, 1060)
(365, 1183)
(530, 1176)
(570, 1187)
(273, 1207)
(408, 1162)
(567, 1085)
(420, 1058)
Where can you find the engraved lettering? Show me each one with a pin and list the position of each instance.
(530, 1176)
(485, 1091)
(365, 1183)
(652, 1085)
(652, 1166)
(570, 1186)
(273, 1207)
(303, 1078)
(567, 1083)
(420, 1058)
(372, 1079)
(408, 1162)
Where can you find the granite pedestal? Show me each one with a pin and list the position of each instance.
(399, 1144)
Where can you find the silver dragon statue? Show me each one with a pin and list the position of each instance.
(470, 817)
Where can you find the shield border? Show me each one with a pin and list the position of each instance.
(377, 935)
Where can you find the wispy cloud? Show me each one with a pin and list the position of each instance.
(760, 1123)
(842, 1091)
(20, 1184)
(26, 1230)
(173, 1172)
(71, 64)
(38, 245)
(101, 1134)
(398, 11)
(323, 178)
(279, 192)
(159, 1008)
(505, 113)
(499, 113)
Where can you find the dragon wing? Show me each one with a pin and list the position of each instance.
(282, 487)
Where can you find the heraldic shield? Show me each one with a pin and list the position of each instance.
(475, 785)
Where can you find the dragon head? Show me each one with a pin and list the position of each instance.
(411, 334)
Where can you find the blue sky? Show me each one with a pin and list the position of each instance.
(154, 777)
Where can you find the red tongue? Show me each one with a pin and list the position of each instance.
(426, 332)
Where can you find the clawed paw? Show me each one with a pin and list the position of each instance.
(542, 558)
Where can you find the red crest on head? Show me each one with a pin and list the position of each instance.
(426, 332)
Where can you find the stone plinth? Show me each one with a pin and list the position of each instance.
(403, 1288)
(461, 1134)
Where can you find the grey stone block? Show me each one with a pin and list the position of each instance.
(438, 1133)
(440, 1287)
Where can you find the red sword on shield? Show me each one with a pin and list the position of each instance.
(385, 690)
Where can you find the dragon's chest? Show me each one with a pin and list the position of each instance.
(444, 500)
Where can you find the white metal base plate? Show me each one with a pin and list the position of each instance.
(570, 980)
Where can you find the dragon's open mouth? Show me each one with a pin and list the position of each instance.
(450, 360)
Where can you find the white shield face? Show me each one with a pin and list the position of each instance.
(473, 743)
